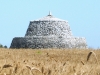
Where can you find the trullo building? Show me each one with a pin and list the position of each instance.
(48, 32)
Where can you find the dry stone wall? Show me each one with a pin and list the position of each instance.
(48, 42)
(44, 28)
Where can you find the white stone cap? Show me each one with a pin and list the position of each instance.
(49, 17)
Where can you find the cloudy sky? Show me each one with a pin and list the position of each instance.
(83, 17)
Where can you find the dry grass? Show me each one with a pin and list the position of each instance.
(90, 53)
(49, 62)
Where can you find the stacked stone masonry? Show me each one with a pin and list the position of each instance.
(48, 32)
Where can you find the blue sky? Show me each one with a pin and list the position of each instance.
(83, 17)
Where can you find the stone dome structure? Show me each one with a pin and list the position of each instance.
(48, 32)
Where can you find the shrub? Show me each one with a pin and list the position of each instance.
(5, 46)
(1, 46)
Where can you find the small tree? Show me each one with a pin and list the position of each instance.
(5, 46)
(1, 46)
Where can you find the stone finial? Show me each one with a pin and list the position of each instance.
(50, 13)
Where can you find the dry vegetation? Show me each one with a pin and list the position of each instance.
(49, 62)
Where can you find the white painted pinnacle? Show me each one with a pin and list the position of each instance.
(50, 13)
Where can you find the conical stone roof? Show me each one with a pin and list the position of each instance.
(48, 32)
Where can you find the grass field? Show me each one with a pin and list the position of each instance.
(49, 62)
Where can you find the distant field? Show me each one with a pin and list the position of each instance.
(49, 62)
